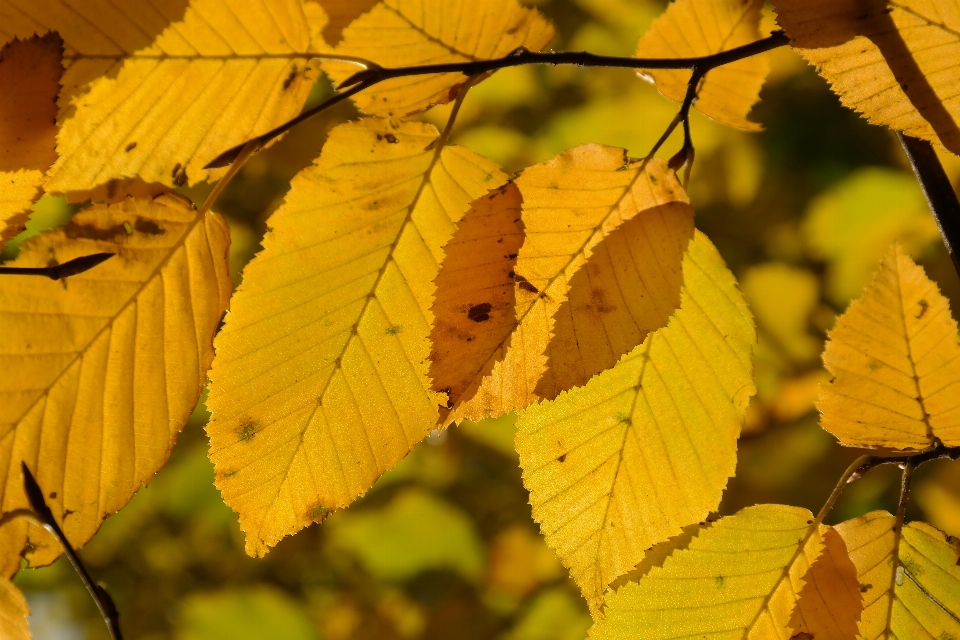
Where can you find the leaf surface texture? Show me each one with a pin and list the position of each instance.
(13, 612)
(829, 604)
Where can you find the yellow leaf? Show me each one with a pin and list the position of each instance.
(13, 612)
(897, 63)
(645, 448)
(341, 13)
(693, 28)
(911, 588)
(571, 204)
(320, 381)
(736, 579)
(18, 190)
(433, 32)
(474, 307)
(109, 363)
(895, 358)
(783, 297)
(829, 604)
(160, 109)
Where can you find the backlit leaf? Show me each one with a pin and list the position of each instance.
(433, 32)
(911, 588)
(897, 63)
(829, 603)
(18, 190)
(645, 448)
(320, 381)
(895, 358)
(737, 579)
(243, 614)
(693, 28)
(13, 612)
(109, 363)
(572, 208)
(341, 13)
(165, 106)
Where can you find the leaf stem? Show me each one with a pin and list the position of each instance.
(44, 517)
(848, 476)
(898, 533)
(60, 271)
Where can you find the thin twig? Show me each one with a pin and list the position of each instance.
(44, 517)
(841, 484)
(917, 458)
(59, 271)
(939, 192)
(376, 74)
(898, 533)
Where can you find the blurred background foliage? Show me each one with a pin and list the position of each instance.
(443, 546)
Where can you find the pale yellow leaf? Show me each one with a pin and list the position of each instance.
(109, 363)
(897, 63)
(694, 28)
(829, 604)
(320, 382)
(911, 588)
(433, 32)
(571, 204)
(161, 108)
(895, 358)
(645, 448)
(737, 579)
(13, 612)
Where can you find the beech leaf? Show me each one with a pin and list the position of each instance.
(830, 603)
(13, 612)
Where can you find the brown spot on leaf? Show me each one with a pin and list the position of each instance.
(149, 227)
(318, 513)
(924, 305)
(73, 231)
(390, 138)
(290, 78)
(562, 457)
(247, 430)
(131, 147)
(480, 312)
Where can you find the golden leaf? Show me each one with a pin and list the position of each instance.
(897, 63)
(156, 96)
(109, 363)
(736, 579)
(320, 381)
(570, 205)
(645, 448)
(433, 32)
(18, 190)
(910, 586)
(340, 14)
(693, 28)
(13, 612)
(829, 604)
(895, 358)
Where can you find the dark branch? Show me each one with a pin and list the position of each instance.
(938, 190)
(99, 594)
(376, 74)
(59, 271)
(916, 459)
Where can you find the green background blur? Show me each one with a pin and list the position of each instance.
(444, 546)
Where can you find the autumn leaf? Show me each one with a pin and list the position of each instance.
(571, 204)
(894, 62)
(30, 76)
(694, 28)
(341, 13)
(157, 93)
(895, 358)
(13, 612)
(433, 32)
(320, 380)
(645, 448)
(737, 579)
(109, 363)
(910, 582)
(829, 604)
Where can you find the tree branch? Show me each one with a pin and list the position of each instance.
(60, 271)
(376, 74)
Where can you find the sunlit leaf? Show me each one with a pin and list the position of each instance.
(13, 612)
(179, 85)
(897, 63)
(433, 32)
(693, 28)
(829, 604)
(645, 448)
(18, 190)
(320, 381)
(895, 358)
(340, 14)
(109, 363)
(911, 587)
(736, 579)
(594, 222)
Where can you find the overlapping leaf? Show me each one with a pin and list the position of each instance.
(174, 92)
(433, 32)
(830, 603)
(895, 358)
(736, 579)
(645, 448)
(109, 364)
(897, 63)
(320, 381)
(571, 204)
(13, 612)
(694, 28)
(910, 582)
